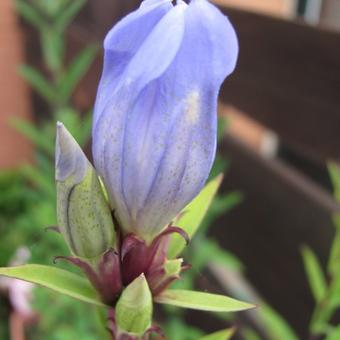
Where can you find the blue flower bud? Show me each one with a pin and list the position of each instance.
(154, 131)
(84, 217)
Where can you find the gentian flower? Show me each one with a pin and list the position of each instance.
(154, 128)
(154, 142)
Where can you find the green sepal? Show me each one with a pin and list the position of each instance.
(59, 280)
(201, 301)
(192, 215)
(134, 308)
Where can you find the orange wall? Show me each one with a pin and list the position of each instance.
(283, 8)
(14, 96)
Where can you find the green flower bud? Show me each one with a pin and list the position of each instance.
(134, 308)
(84, 217)
(173, 267)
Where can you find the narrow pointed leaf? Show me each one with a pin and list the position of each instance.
(78, 124)
(225, 334)
(38, 82)
(334, 263)
(334, 173)
(76, 71)
(59, 280)
(52, 44)
(315, 275)
(276, 326)
(33, 174)
(201, 301)
(65, 17)
(34, 134)
(192, 215)
(30, 14)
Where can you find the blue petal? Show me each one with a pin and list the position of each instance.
(159, 129)
(109, 132)
(188, 90)
(122, 42)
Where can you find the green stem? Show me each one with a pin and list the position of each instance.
(102, 317)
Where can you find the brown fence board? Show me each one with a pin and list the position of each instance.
(281, 211)
(288, 78)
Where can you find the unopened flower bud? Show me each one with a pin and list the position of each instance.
(134, 308)
(155, 117)
(84, 217)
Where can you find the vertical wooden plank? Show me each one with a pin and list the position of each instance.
(330, 14)
(14, 96)
(288, 79)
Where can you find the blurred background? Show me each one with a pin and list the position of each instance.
(269, 235)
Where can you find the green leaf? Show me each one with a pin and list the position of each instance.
(226, 334)
(334, 334)
(221, 128)
(176, 328)
(85, 128)
(34, 134)
(38, 82)
(334, 260)
(192, 215)
(221, 205)
(59, 280)
(221, 165)
(79, 125)
(276, 326)
(35, 176)
(30, 14)
(76, 71)
(65, 17)
(315, 275)
(334, 173)
(53, 49)
(207, 250)
(250, 334)
(333, 294)
(201, 301)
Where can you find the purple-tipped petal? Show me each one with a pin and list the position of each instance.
(155, 131)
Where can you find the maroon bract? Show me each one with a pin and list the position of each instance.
(117, 269)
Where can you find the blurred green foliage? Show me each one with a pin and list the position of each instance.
(27, 199)
(325, 283)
